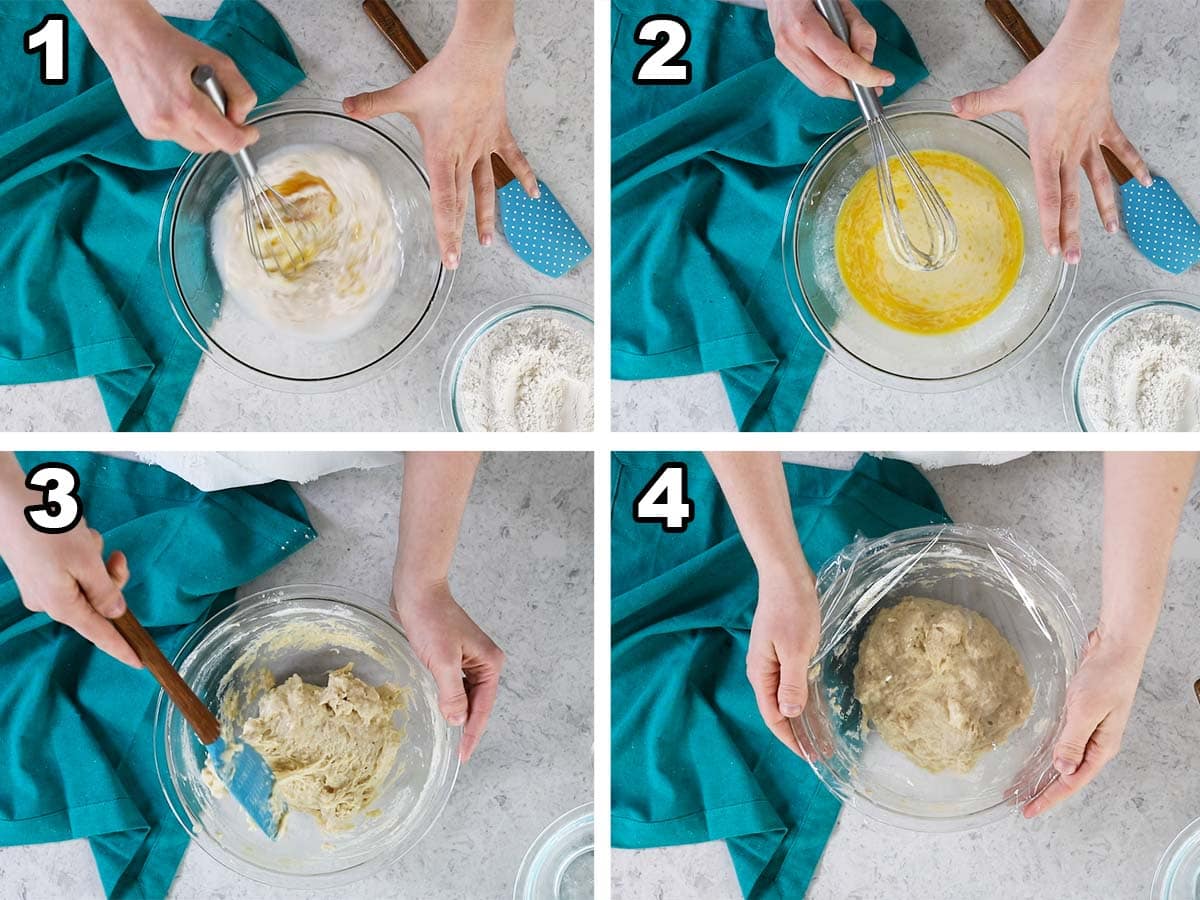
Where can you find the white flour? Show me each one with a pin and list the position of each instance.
(1143, 374)
(530, 373)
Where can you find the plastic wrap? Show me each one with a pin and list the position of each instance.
(989, 571)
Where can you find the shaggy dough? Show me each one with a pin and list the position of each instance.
(330, 747)
(940, 683)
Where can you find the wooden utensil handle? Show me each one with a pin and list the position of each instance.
(1010, 19)
(381, 13)
(203, 722)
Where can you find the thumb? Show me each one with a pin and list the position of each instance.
(376, 103)
(982, 103)
(793, 683)
(1072, 743)
(452, 693)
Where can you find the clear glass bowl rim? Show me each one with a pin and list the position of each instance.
(483, 323)
(545, 842)
(1005, 128)
(1168, 864)
(272, 596)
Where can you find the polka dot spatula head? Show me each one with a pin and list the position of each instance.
(1157, 221)
(538, 229)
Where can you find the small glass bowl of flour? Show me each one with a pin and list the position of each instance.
(522, 365)
(1136, 366)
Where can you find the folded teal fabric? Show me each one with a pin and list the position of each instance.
(701, 175)
(76, 736)
(691, 758)
(80, 197)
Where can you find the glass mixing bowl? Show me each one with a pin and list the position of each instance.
(1187, 305)
(563, 308)
(265, 354)
(309, 630)
(987, 571)
(560, 864)
(1178, 874)
(866, 345)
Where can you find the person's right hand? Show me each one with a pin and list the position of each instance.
(783, 638)
(807, 46)
(66, 577)
(151, 64)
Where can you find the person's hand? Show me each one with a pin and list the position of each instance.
(783, 638)
(1099, 701)
(1063, 98)
(456, 101)
(465, 662)
(810, 50)
(66, 577)
(151, 64)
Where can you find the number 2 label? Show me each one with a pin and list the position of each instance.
(49, 38)
(60, 509)
(670, 37)
(664, 500)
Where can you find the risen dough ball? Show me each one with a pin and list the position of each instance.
(940, 683)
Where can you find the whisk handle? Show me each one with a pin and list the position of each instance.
(863, 96)
(205, 78)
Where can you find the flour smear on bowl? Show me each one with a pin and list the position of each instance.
(1143, 374)
(531, 372)
(348, 266)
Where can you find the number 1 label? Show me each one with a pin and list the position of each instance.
(49, 38)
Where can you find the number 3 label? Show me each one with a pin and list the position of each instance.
(670, 38)
(60, 509)
(49, 38)
(664, 500)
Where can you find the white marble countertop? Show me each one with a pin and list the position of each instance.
(550, 108)
(964, 50)
(535, 761)
(1110, 835)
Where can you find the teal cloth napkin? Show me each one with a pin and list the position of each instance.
(76, 736)
(691, 758)
(80, 197)
(701, 175)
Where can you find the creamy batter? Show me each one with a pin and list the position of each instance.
(940, 683)
(349, 254)
(331, 747)
(982, 272)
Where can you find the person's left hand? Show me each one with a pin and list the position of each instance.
(465, 662)
(1099, 701)
(456, 101)
(1063, 98)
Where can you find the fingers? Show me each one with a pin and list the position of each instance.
(1069, 225)
(1116, 141)
(1102, 189)
(485, 200)
(1065, 785)
(862, 33)
(508, 151)
(764, 679)
(815, 75)
(1047, 179)
(452, 692)
(977, 104)
(206, 121)
(830, 49)
(793, 683)
(239, 96)
(376, 103)
(443, 187)
(79, 615)
(482, 700)
(462, 190)
(98, 586)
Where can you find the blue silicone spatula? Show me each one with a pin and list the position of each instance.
(538, 229)
(1157, 221)
(241, 767)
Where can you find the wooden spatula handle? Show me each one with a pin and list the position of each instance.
(1010, 19)
(381, 13)
(203, 722)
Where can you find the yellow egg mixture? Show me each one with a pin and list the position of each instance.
(991, 248)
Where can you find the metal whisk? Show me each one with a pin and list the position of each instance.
(281, 238)
(941, 232)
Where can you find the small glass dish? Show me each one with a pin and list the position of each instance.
(984, 570)
(874, 350)
(559, 864)
(265, 354)
(1178, 873)
(563, 308)
(307, 630)
(1131, 305)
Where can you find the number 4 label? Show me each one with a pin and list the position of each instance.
(664, 500)
(60, 509)
(670, 37)
(49, 38)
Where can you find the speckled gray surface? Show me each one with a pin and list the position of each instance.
(550, 108)
(534, 763)
(1112, 834)
(1155, 70)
